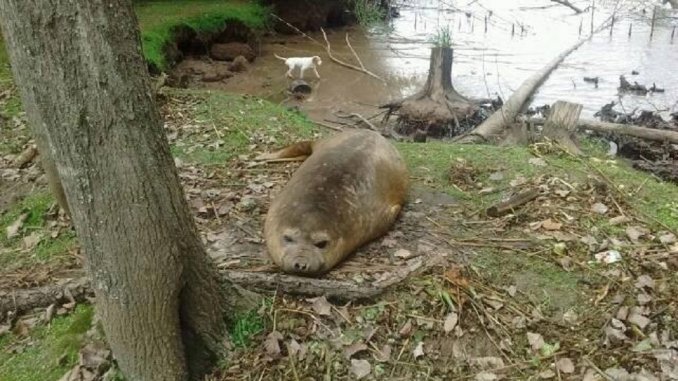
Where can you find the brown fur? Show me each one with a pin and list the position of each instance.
(348, 192)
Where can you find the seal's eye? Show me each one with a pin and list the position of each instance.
(320, 244)
(288, 238)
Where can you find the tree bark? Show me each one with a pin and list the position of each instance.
(86, 90)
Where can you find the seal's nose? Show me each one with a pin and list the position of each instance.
(300, 265)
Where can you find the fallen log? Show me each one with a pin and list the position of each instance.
(16, 302)
(19, 301)
(502, 118)
(622, 129)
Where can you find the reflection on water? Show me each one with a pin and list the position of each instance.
(521, 37)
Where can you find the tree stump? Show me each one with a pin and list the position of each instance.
(561, 125)
(438, 109)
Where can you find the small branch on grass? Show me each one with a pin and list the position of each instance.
(513, 203)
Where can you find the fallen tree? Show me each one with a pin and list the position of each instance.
(73, 290)
(493, 127)
(622, 129)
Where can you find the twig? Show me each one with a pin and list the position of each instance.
(520, 199)
(328, 49)
(568, 4)
(362, 118)
(598, 370)
(354, 53)
(322, 124)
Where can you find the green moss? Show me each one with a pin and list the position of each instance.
(49, 353)
(239, 122)
(159, 19)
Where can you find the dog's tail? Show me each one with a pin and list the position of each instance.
(280, 58)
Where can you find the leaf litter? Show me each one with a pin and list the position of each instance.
(453, 320)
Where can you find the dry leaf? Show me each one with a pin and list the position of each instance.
(536, 341)
(450, 322)
(520, 180)
(599, 208)
(565, 365)
(549, 224)
(419, 350)
(496, 176)
(644, 281)
(293, 347)
(406, 329)
(667, 238)
(31, 241)
(619, 220)
(487, 362)
(403, 254)
(643, 298)
(537, 161)
(353, 349)
(13, 229)
(321, 306)
(638, 319)
(360, 368)
(486, 376)
(547, 374)
(384, 354)
(635, 232)
(272, 344)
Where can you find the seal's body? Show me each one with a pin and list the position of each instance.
(348, 192)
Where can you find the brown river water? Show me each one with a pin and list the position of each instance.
(488, 62)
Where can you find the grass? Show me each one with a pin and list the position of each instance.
(246, 326)
(48, 352)
(159, 19)
(641, 188)
(442, 38)
(239, 122)
(48, 250)
(368, 12)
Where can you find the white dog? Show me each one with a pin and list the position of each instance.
(303, 63)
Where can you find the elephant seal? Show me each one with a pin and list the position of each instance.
(348, 191)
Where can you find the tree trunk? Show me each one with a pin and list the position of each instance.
(85, 88)
(437, 109)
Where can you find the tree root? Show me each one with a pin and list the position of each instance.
(19, 301)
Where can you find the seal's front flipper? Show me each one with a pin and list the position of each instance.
(298, 151)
